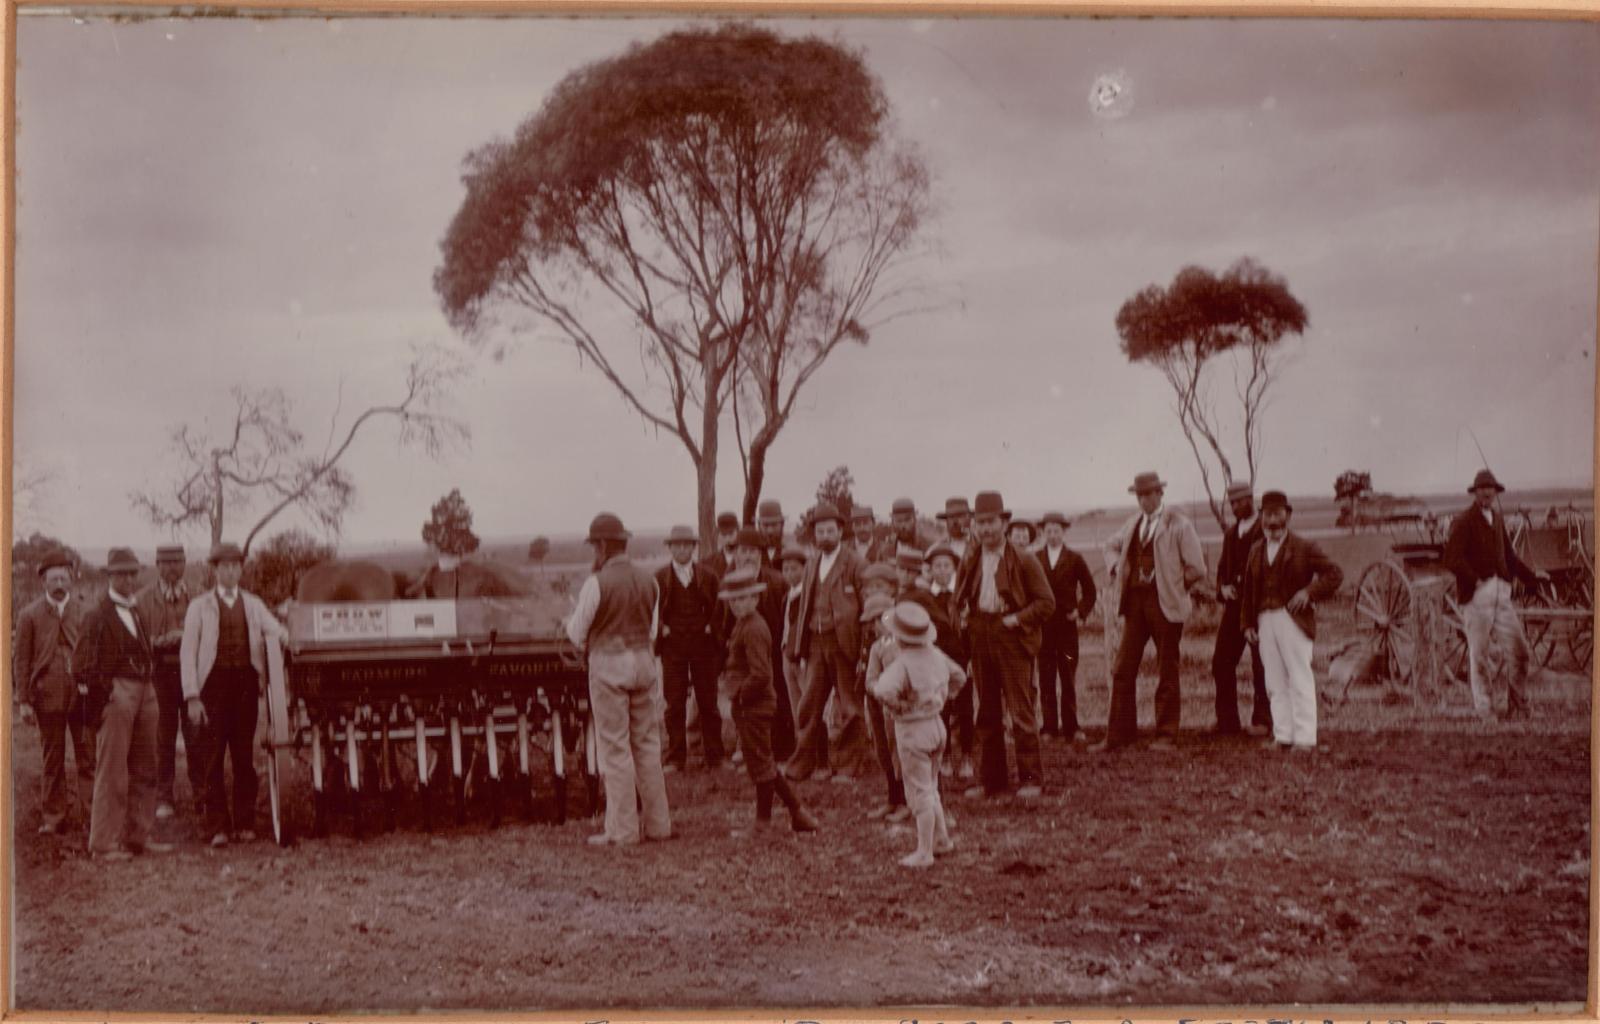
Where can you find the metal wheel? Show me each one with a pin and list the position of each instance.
(1386, 620)
(279, 739)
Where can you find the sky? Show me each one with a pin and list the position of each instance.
(218, 203)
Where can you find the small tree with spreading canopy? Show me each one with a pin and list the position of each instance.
(273, 571)
(449, 526)
(705, 219)
(1237, 319)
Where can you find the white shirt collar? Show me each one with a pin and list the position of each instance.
(227, 597)
(120, 601)
(1488, 515)
(61, 609)
(825, 560)
(685, 573)
(1274, 546)
(1054, 553)
(1246, 524)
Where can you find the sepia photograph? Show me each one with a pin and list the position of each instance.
(907, 514)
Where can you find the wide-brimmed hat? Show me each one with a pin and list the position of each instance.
(1147, 482)
(905, 505)
(1239, 489)
(939, 549)
(792, 553)
(1054, 517)
(741, 583)
(170, 553)
(122, 560)
(879, 572)
(989, 503)
(954, 507)
(1276, 499)
(910, 624)
(1485, 478)
(227, 551)
(727, 521)
(825, 510)
(769, 511)
(749, 537)
(1033, 531)
(861, 513)
(908, 557)
(606, 526)
(874, 607)
(683, 535)
(57, 559)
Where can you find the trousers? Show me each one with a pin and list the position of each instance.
(1058, 659)
(920, 746)
(232, 700)
(624, 697)
(830, 672)
(1492, 625)
(1291, 687)
(698, 675)
(1142, 624)
(56, 730)
(1230, 647)
(1002, 670)
(172, 721)
(124, 808)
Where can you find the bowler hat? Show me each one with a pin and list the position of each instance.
(903, 505)
(683, 535)
(791, 553)
(875, 606)
(910, 624)
(861, 514)
(227, 551)
(1239, 489)
(727, 521)
(1055, 517)
(989, 503)
(749, 537)
(606, 526)
(954, 507)
(908, 557)
(169, 553)
(1145, 482)
(56, 559)
(769, 511)
(1485, 479)
(122, 560)
(940, 549)
(1276, 499)
(740, 583)
(825, 510)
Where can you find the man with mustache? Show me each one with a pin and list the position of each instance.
(957, 520)
(47, 631)
(164, 604)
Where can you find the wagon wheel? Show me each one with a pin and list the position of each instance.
(1386, 620)
(279, 739)
(1580, 641)
(1454, 656)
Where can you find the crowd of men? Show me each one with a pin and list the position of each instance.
(1002, 598)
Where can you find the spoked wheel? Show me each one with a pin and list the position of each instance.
(1386, 620)
(1454, 656)
(1581, 642)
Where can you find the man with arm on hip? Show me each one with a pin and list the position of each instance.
(47, 632)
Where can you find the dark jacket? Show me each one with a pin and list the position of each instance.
(689, 619)
(1301, 564)
(1071, 582)
(1023, 587)
(842, 589)
(107, 651)
(719, 563)
(749, 663)
(1235, 554)
(42, 678)
(1477, 551)
(940, 609)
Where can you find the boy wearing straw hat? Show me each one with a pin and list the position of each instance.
(748, 672)
(914, 688)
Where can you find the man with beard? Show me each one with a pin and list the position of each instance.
(721, 561)
(1283, 580)
(769, 520)
(864, 534)
(690, 649)
(907, 532)
(827, 639)
(1236, 545)
(47, 631)
(615, 624)
(163, 605)
(1073, 586)
(1004, 595)
(957, 519)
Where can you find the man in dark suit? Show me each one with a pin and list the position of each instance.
(41, 660)
(827, 638)
(721, 561)
(1005, 599)
(1236, 545)
(769, 520)
(113, 665)
(957, 520)
(1480, 555)
(689, 646)
(1073, 586)
(864, 535)
(951, 639)
(1284, 578)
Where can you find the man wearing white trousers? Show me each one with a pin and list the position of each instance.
(1480, 555)
(615, 623)
(1285, 576)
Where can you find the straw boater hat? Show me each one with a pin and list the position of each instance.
(769, 512)
(1485, 479)
(169, 553)
(683, 535)
(1145, 482)
(1276, 499)
(910, 624)
(227, 551)
(741, 583)
(1055, 517)
(875, 607)
(1239, 489)
(56, 559)
(908, 557)
(954, 507)
(122, 560)
(879, 572)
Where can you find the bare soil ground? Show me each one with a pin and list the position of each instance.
(1424, 858)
